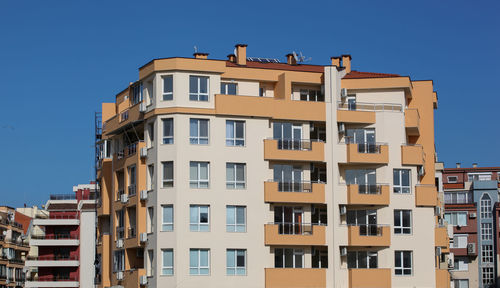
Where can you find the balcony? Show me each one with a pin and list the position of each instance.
(367, 153)
(58, 220)
(412, 122)
(353, 113)
(412, 155)
(294, 150)
(53, 281)
(426, 195)
(120, 232)
(295, 277)
(369, 235)
(375, 194)
(128, 155)
(441, 238)
(364, 278)
(294, 234)
(442, 278)
(55, 240)
(126, 117)
(53, 261)
(296, 192)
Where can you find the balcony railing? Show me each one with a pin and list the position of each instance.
(128, 151)
(370, 188)
(63, 197)
(295, 186)
(73, 216)
(295, 144)
(365, 147)
(288, 228)
(16, 261)
(56, 237)
(131, 232)
(458, 197)
(57, 258)
(11, 223)
(120, 232)
(360, 106)
(55, 278)
(370, 229)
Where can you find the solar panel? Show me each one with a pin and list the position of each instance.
(263, 60)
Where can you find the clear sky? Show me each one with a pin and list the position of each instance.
(60, 59)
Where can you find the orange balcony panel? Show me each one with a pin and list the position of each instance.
(133, 114)
(351, 116)
(316, 194)
(370, 278)
(412, 155)
(382, 239)
(412, 122)
(105, 193)
(131, 278)
(425, 195)
(315, 236)
(295, 277)
(354, 156)
(316, 153)
(356, 198)
(441, 237)
(442, 278)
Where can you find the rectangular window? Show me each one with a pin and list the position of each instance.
(199, 219)
(488, 276)
(487, 253)
(168, 174)
(151, 177)
(401, 183)
(486, 231)
(168, 262)
(362, 259)
(168, 218)
(199, 173)
(452, 179)
(235, 175)
(288, 258)
(198, 131)
(461, 283)
(403, 262)
(456, 218)
(228, 88)
(402, 221)
(168, 88)
(461, 264)
(168, 131)
(235, 133)
(479, 176)
(119, 261)
(151, 134)
(236, 262)
(198, 88)
(131, 180)
(199, 261)
(236, 218)
(459, 241)
(311, 95)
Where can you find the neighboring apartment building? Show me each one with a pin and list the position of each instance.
(248, 172)
(472, 207)
(66, 246)
(13, 247)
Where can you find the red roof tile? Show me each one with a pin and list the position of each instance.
(357, 75)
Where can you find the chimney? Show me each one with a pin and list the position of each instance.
(335, 61)
(290, 59)
(199, 55)
(346, 62)
(474, 165)
(241, 54)
(231, 58)
(458, 165)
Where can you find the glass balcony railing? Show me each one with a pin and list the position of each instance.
(296, 144)
(287, 228)
(295, 186)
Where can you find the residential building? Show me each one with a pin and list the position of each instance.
(66, 242)
(13, 247)
(248, 172)
(472, 207)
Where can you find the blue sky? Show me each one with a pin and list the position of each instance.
(60, 59)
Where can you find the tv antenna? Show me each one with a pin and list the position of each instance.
(300, 58)
(195, 49)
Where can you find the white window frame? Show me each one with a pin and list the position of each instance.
(459, 239)
(455, 215)
(167, 182)
(485, 203)
(236, 269)
(487, 275)
(198, 266)
(402, 188)
(400, 225)
(119, 260)
(399, 266)
(487, 255)
(167, 270)
(196, 140)
(486, 231)
(169, 139)
(235, 141)
(233, 227)
(197, 183)
(480, 176)
(169, 94)
(461, 264)
(452, 177)
(198, 95)
(459, 282)
(197, 226)
(167, 226)
(236, 184)
(369, 254)
(296, 252)
(224, 86)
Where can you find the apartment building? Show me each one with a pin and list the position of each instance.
(472, 207)
(66, 241)
(249, 172)
(13, 247)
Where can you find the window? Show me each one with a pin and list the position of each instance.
(150, 220)
(168, 88)
(456, 218)
(461, 264)
(136, 93)
(198, 131)
(262, 91)
(199, 218)
(151, 177)
(401, 183)
(236, 262)
(199, 174)
(235, 218)
(119, 261)
(488, 275)
(366, 179)
(168, 174)
(168, 131)
(403, 262)
(151, 134)
(235, 175)
(319, 258)
(168, 218)
(459, 241)
(198, 88)
(485, 206)
(486, 231)
(402, 221)
(311, 95)
(235, 133)
(199, 261)
(131, 180)
(228, 88)
(458, 197)
(479, 176)
(487, 253)
(168, 262)
(461, 283)
(288, 258)
(452, 179)
(362, 259)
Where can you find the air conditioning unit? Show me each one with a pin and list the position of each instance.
(119, 243)
(343, 251)
(144, 194)
(341, 127)
(471, 248)
(124, 198)
(144, 237)
(143, 280)
(437, 211)
(472, 215)
(343, 210)
(119, 275)
(451, 260)
(144, 152)
(343, 93)
(142, 107)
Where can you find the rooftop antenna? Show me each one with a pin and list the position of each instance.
(301, 58)
(195, 49)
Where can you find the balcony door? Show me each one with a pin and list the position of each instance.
(351, 102)
(365, 219)
(289, 178)
(289, 219)
(366, 179)
(288, 135)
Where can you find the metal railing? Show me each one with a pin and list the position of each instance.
(361, 106)
(70, 216)
(296, 144)
(288, 228)
(16, 261)
(369, 229)
(65, 236)
(295, 186)
(129, 150)
(58, 258)
(55, 278)
(62, 197)
(120, 232)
